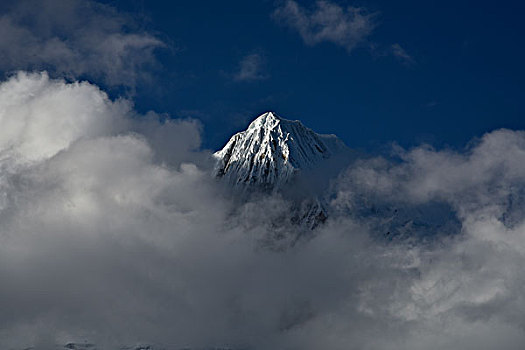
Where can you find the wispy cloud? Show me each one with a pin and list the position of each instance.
(401, 54)
(75, 38)
(251, 67)
(327, 22)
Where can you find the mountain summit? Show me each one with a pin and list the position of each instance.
(271, 151)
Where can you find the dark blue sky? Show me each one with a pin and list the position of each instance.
(463, 74)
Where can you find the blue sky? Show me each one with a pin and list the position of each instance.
(438, 72)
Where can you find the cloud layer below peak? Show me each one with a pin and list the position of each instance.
(114, 232)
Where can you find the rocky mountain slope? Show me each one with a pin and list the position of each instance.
(270, 155)
(272, 151)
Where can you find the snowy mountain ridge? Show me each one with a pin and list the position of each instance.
(271, 151)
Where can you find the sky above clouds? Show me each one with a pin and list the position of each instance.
(374, 71)
(371, 71)
(113, 231)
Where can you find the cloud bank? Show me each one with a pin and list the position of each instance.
(113, 232)
(75, 38)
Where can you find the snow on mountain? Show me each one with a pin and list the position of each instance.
(271, 152)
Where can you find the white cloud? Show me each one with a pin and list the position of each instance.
(328, 22)
(75, 38)
(251, 67)
(50, 115)
(108, 236)
(473, 280)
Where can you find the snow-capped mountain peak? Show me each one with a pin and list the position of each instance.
(271, 151)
